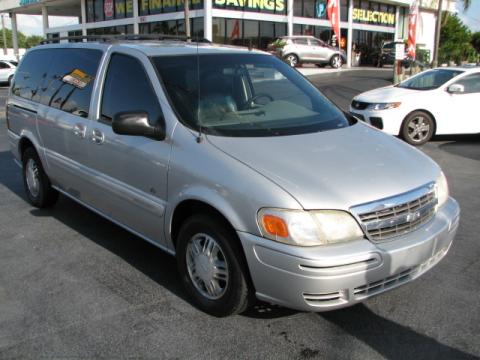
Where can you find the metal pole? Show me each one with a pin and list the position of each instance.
(13, 17)
(187, 17)
(4, 36)
(438, 28)
(350, 34)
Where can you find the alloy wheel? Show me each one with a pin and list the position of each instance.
(418, 129)
(292, 60)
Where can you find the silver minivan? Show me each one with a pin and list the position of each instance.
(233, 162)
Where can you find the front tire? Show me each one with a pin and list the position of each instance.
(36, 182)
(212, 267)
(417, 128)
(336, 61)
(292, 60)
(10, 79)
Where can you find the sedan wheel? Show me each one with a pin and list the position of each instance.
(336, 61)
(418, 128)
(292, 60)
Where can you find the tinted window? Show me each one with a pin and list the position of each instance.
(4, 65)
(30, 73)
(430, 79)
(471, 83)
(69, 81)
(128, 88)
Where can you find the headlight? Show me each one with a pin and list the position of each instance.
(442, 189)
(308, 228)
(385, 106)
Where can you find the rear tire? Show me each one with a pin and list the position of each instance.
(212, 267)
(36, 182)
(336, 61)
(417, 128)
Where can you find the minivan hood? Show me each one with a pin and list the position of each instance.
(385, 94)
(334, 169)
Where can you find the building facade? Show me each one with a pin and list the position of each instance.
(365, 24)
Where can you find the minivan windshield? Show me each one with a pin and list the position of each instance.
(431, 79)
(245, 95)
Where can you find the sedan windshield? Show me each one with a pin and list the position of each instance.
(245, 95)
(430, 79)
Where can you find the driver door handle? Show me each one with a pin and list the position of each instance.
(98, 137)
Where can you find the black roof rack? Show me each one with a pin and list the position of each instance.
(130, 37)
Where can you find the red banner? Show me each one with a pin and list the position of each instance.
(333, 11)
(412, 30)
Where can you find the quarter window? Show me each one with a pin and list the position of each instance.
(31, 72)
(471, 83)
(128, 88)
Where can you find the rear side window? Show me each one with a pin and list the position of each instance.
(128, 88)
(4, 65)
(471, 83)
(69, 81)
(301, 41)
(31, 72)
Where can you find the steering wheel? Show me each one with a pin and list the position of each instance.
(251, 101)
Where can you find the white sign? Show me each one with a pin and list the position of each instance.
(399, 51)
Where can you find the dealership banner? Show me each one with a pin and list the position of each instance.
(333, 11)
(412, 29)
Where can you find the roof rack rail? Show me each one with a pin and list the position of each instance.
(129, 37)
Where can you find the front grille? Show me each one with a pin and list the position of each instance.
(399, 215)
(359, 105)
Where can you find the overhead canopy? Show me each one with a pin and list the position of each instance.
(34, 7)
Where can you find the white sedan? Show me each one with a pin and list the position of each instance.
(437, 101)
(7, 70)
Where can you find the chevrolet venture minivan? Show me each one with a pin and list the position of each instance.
(233, 162)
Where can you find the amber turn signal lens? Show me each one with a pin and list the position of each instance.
(275, 226)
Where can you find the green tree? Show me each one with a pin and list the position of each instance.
(476, 43)
(455, 41)
(23, 41)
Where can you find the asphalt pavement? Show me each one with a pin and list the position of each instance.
(73, 285)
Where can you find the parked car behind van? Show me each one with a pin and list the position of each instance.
(296, 50)
(233, 162)
(7, 70)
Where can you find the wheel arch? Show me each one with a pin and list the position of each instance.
(191, 206)
(429, 113)
(23, 144)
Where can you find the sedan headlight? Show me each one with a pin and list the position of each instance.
(442, 189)
(308, 228)
(385, 106)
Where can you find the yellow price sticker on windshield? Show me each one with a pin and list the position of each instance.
(77, 78)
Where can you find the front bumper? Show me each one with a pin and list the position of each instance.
(391, 119)
(330, 277)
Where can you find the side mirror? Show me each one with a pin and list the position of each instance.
(456, 89)
(136, 123)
